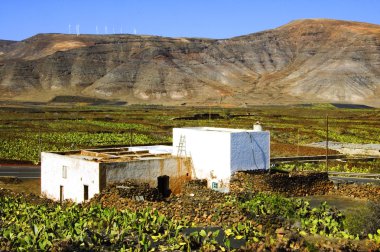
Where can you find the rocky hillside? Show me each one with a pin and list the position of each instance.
(312, 60)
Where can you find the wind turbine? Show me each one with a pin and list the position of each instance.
(69, 28)
(105, 29)
(97, 30)
(77, 29)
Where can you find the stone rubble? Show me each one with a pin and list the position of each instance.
(204, 206)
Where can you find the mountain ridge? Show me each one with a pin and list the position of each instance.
(309, 60)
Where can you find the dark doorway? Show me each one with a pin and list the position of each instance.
(85, 196)
(163, 185)
(61, 193)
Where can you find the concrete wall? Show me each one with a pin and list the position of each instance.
(79, 173)
(250, 151)
(147, 171)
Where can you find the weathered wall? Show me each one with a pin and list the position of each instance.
(79, 173)
(147, 171)
(250, 150)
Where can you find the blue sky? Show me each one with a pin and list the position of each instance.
(20, 19)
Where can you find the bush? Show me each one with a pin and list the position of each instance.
(364, 220)
(277, 210)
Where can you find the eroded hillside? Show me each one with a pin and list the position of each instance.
(313, 60)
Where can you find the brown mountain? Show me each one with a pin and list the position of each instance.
(312, 60)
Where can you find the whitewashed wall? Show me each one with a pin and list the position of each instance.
(209, 151)
(218, 153)
(79, 173)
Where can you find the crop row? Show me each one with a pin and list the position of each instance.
(27, 146)
(23, 133)
(30, 227)
(348, 166)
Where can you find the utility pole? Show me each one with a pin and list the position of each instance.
(327, 142)
(298, 142)
(209, 112)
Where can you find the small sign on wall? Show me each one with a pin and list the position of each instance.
(214, 185)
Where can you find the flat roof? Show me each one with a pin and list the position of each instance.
(120, 154)
(218, 129)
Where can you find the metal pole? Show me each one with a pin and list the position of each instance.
(327, 142)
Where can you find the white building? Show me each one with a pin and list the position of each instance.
(217, 153)
(197, 153)
(79, 175)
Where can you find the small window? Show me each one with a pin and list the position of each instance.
(64, 171)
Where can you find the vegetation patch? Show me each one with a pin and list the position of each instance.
(27, 129)
(273, 222)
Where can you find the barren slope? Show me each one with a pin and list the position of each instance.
(304, 61)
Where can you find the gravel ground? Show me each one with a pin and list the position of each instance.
(204, 206)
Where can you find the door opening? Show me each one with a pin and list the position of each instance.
(85, 190)
(61, 193)
(163, 185)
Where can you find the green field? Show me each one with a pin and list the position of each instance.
(42, 226)
(271, 221)
(25, 130)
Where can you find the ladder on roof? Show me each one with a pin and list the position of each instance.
(181, 147)
(181, 153)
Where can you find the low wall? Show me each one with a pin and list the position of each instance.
(290, 184)
(147, 171)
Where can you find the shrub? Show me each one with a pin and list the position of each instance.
(364, 220)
